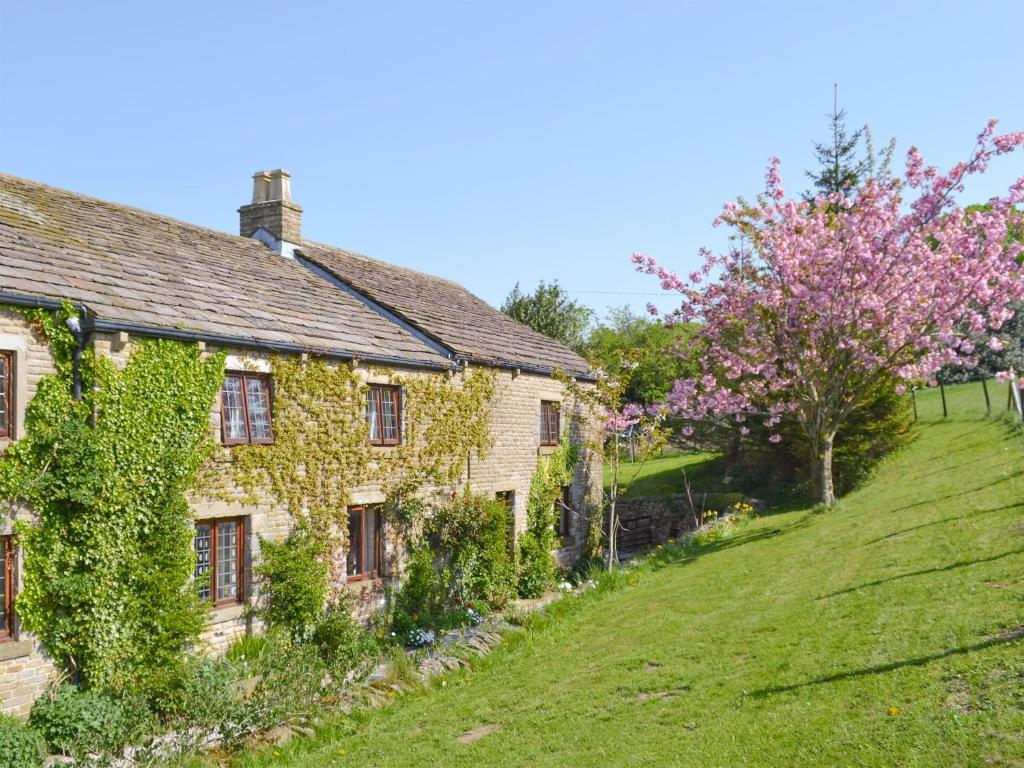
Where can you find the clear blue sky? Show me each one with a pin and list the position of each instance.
(489, 142)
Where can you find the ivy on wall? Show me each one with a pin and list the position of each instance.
(108, 562)
(320, 450)
(553, 472)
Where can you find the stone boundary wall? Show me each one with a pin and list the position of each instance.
(651, 520)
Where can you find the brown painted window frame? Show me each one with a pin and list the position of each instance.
(268, 382)
(7, 423)
(550, 409)
(377, 544)
(396, 391)
(7, 545)
(213, 522)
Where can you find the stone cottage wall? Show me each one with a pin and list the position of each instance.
(25, 670)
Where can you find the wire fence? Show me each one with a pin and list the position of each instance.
(988, 397)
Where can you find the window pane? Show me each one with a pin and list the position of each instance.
(232, 410)
(372, 399)
(389, 414)
(4, 624)
(549, 427)
(203, 563)
(227, 560)
(355, 541)
(370, 542)
(258, 400)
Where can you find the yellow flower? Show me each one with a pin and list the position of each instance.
(342, 751)
(894, 710)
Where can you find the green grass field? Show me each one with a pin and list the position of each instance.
(663, 475)
(884, 632)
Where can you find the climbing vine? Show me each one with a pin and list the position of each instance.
(320, 449)
(535, 545)
(321, 452)
(108, 561)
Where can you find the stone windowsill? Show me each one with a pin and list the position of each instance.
(13, 649)
(226, 613)
(546, 450)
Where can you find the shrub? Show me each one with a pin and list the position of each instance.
(463, 558)
(340, 640)
(536, 568)
(20, 745)
(74, 721)
(294, 575)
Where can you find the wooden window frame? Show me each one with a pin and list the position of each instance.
(550, 409)
(396, 392)
(248, 439)
(8, 548)
(240, 560)
(7, 423)
(377, 544)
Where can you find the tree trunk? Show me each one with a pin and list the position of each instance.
(822, 463)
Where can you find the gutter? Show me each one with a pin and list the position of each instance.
(113, 326)
(90, 325)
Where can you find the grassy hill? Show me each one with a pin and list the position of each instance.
(887, 631)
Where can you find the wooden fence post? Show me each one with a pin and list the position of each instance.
(988, 404)
(942, 391)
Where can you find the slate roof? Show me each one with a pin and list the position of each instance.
(133, 266)
(445, 311)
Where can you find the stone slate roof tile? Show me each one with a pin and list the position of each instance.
(130, 265)
(445, 311)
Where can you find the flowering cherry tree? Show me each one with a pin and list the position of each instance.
(818, 301)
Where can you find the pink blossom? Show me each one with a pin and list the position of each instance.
(891, 280)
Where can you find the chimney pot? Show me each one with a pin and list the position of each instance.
(260, 187)
(281, 185)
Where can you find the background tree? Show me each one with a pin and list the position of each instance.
(550, 311)
(645, 355)
(821, 302)
(841, 164)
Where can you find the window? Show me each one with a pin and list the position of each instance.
(6, 394)
(550, 426)
(220, 558)
(509, 499)
(7, 586)
(383, 414)
(245, 409)
(563, 524)
(364, 551)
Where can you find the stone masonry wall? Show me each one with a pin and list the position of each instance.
(509, 466)
(25, 670)
(650, 520)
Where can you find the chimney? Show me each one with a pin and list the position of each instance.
(273, 211)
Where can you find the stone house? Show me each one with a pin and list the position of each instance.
(134, 274)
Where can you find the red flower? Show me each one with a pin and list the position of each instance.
(469, 605)
(454, 494)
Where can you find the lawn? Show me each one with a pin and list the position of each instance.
(663, 474)
(886, 631)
